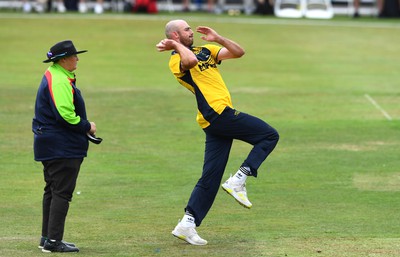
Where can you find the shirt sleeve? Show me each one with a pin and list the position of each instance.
(63, 98)
(175, 64)
(214, 49)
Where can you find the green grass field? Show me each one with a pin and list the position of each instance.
(331, 188)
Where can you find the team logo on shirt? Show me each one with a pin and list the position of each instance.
(205, 60)
(203, 54)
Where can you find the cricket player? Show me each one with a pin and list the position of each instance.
(196, 68)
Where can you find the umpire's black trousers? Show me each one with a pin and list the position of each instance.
(60, 176)
(231, 124)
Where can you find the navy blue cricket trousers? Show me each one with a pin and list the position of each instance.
(231, 124)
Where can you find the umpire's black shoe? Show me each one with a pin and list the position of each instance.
(43, 239)
(58, 247)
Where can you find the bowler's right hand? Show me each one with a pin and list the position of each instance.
(166, 45)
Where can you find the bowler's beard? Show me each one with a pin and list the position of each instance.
(188, 42)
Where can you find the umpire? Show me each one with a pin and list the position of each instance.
(60, 128)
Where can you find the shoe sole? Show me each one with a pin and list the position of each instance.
(185, 239)
(69, 244)
(230, 192)
(47, 251)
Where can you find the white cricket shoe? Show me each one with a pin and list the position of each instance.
(188, 234)
(238, 191)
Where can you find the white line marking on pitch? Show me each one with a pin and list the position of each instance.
(374, 103)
